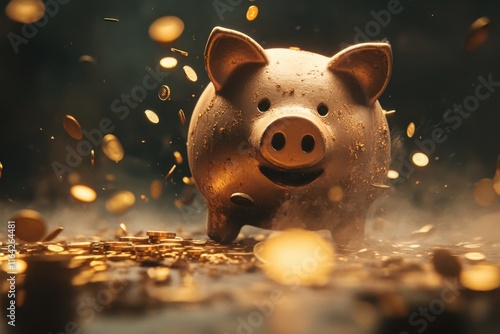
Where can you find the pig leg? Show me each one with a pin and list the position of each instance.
(349, 235)
(220, 228)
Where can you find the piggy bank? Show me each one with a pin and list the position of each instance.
(286, 138)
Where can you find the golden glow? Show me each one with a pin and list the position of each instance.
(112, 148)
(166, 29)
(155, 189)
(481, 277)
(420, 159)
(168, 62)
(83, 193)
(25, 11)
(392, 174)
(484, 192)
(19, 266)
(152, 116)
(120, 202)
(297, 257)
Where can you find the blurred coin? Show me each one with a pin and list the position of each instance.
(30, 226)
(252, 13)
(336, 194)
(112, 148)
(72, 127)
(478, 34)
(52, 235)
(481, 277)
(182, 117)
(87, 59)
(424, 230)
(25, 11)
(410, 130)
(111, 19)
(1, 169)
(474, 256)
(156, 189)
(166, 29)
(83, 193)
(152, 116)
(168, 62)
(190, 73)
(120, 202)
(484, 194)
(170, 171)
(392, 174)
(182, 52)
(420, 159)
(55, 248)
(178, 157)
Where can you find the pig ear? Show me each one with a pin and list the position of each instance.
(227, 50)
(368, 64)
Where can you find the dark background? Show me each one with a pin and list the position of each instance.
(45, 81)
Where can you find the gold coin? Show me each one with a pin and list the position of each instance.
(152, 116)
(188, 180)
(164, 93)
(19, 266)
(52, 235)
(474, 256)
(389, 112)
(182, 117)
(83, 193)
(55, 248)
(170, 171)
(112, 148)
(92, 158)
(190, 73)
(478, 34)
(420, 159)
(410, 130)
(156, 189)
(252, 12)
(30, 226)
(25, 11)
(484, 194)
(87, 59)
(166, 29)
(111, 19)
(481, 277)
(120, 202)
(182, 52)
(178, 157)
(381, 185)
(168, 62)
(1, 169)
(161, 234)
(392, 174)
(72, 127)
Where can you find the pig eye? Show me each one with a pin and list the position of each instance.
(322, 109)
(264, 105)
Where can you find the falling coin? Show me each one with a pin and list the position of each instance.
(184, 53)
(55, 248)
(164, 93)
(190, 73)
(166, 29)
(392, 174)
(83, 193)
(30, 226)
(161, 234)
(474, 256)
(481, 277)
(87, 59)
(168, 62)
(72, 127)
(170, 171)
(92, 158)
(252, 12)
(156, 189)
(478, 34)
(381, 185)
(152, 116)
(484, 194)
(25, 11)
(120, 202)
(410, 130)
(52, 235)
(112, 148)
(424, 230)
(123, 228)
(20, 266)
(111, 19)
(420, 159)
(182, 117)
(1, 169)
(188, 180)
(178, 157)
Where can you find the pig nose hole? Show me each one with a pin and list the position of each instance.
(307, 143)
(278, 141)
(264, 105)
(322, 109)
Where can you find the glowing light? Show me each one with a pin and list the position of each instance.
(25, 11)
(420, 159)
(392, 174)
(83, 193)
(120, 202)
(166, 29)
(484, 192)
(481, 277)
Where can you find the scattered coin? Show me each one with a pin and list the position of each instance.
(83, 193)
(134, 239)
(481, 277)
(410, 130)
(55, 248)
(164, 93)
(484, 193)
(123, 228)
(424, 230)
(420, 159)
(152, 116)
(161, 234)
(445, 263)
(92, 158)
(474, 256)
(190, 73)
(178, 157)
(30, 226)
(381, 185)
(181, 52)
(87, 59)
(120, 202)
(182, 117)
(1, 169)
(72, 127)
(156, 189)
(112, 148)
(252, 12)
(111, 19)
(166, 29)
(478, 34)
(168, 62)
(52, 235)
(188, 180)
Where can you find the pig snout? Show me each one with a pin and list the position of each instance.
(293, 142)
